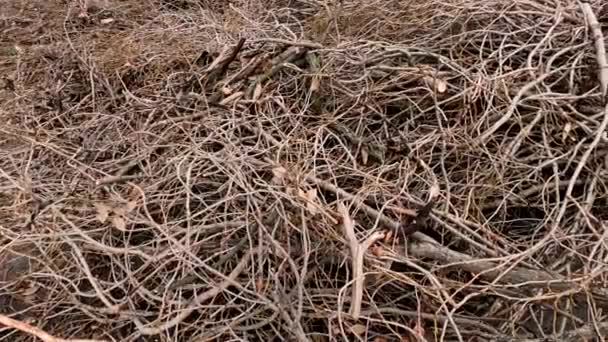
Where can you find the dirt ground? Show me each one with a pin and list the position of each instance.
(303, 170)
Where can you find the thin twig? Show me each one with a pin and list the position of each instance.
(426, 247)
(117, 179)
(197, 300)
(26, 328)
(305, 44)
(513, 106)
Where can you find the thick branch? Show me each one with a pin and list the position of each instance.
(357, 252)
(600, 49)
(424, 246)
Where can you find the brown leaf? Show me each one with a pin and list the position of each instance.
(103, 211)
(279, 174)
(388, 237)
(134, 193)
(364, 155)
(131, 205)
(434, 191)
(120, 210)
(302, 194)
(19, 49)
(441, 86)
(257, 92)
(436, 84)
(260, 285)
(119, 223)
(226, 90)
(232, 98)
(315, 84)
(82, 14)
(311, 196)
(116, 308)
(358, 329)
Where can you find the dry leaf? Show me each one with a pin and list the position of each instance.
(131, 205)
(315, 84)
(377, 250)
(119, 223)
(433, 191)
(311, 196)
(134, 193)
(120, 211)
(441, 86)
(388, 237)
(231, 98)
(290, 191)
(257, 92)
(226, 90)
(364, 155)
(335, 329)
(279, 174)
(260, 285)
(566, 132)
(436, 84)
(358, 329)
(103, 211)
(302, 193)
(116, 308)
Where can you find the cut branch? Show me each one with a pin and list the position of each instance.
(357, 251)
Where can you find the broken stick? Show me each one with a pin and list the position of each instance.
(357, 251)
(29, 329)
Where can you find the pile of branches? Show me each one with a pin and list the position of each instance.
(304, 170)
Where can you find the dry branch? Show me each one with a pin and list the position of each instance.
(514, 235)
(357, 250)
(426, 247)
(588, 331)
(489, 270)
(26, 328)
(512, 107)
(600, 49)
(197, 300)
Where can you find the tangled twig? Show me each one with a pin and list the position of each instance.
(173, 169)
(22, 326)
